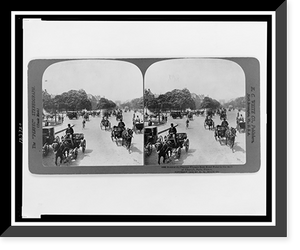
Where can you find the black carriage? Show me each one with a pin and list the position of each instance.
(122, 133)
(48, 139)
(227, 134)
(220, 132)
(182, 141)
(241, 126)
(78, 142)
(176, 114)
(150, 138)
(72, 114)
(116, 134)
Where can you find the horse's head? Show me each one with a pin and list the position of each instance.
(233, 131)
(57, 139)
(56, 145)
(129, 132)
(169, 143)
(158, 145)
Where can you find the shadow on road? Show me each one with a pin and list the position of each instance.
(237, 148)
(184, 155)
(81, 156)
(134, 149)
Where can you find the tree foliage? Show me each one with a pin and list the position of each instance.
(175, 99)
(105, 104)
(210, 103)
(71, 100)
(137, 103)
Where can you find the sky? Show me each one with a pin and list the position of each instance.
(220, 79)
(217, 78)
(116, 80)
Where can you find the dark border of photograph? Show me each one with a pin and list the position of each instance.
(279, 229)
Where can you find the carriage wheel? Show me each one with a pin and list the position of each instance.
(205, 125)
(187, 145)
(76, 153)
(83, 145)
(216, 135)
(178, 153)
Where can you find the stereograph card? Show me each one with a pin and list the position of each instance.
(144, 115)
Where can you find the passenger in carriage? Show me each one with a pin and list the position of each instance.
(137, 119)
(208, 118)
(241, 118)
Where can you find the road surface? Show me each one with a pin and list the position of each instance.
(100, 149)
(204, 149)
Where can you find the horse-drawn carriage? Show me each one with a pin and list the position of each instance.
(72, 114)
(190, 116)
(105, 124)
(226, 133)
(167, 146)
(66, 150)
(119, 116)
(209, 123)
(240, 125)
(223, 115)
(176, 114)
(125, 135)
(48, 139)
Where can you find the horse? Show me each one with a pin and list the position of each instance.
(105, 124)
(59, 151)
(127, 135)
(220, 131)
(209, 123)
(163, 149)
(230, 135)
(116, 133)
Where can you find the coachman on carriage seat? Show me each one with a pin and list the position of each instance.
(69, 133)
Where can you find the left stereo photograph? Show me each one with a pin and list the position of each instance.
(92, 112)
